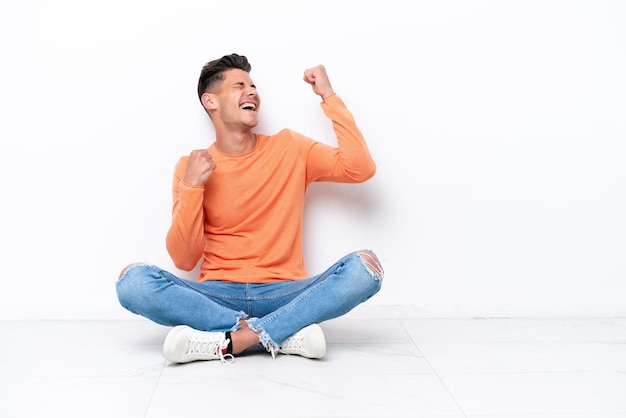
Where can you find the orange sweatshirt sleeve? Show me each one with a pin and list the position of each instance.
(185, 238)
(350, 161)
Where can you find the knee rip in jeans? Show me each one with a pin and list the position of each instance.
(372, 264)
(125, 269)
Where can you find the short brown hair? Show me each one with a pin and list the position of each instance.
(213, 72)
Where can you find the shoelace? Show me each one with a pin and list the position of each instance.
(292, 343)
(221, 352)
(203, 346)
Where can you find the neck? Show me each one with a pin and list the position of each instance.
(235, 143)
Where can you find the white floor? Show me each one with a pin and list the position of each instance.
(495, 368)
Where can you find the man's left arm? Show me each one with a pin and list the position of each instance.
(351, 160)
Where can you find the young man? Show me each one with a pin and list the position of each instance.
(238, 207)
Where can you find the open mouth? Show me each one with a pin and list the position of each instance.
(248, 106)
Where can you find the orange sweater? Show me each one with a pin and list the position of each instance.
(246, 221)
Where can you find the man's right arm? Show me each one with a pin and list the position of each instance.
(185, 237)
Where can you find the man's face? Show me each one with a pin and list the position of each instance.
(238, 101)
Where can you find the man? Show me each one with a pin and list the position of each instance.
(238, 207)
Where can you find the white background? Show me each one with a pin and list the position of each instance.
(498, 127)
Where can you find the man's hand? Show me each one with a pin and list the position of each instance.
(200, 166)
(318, 79)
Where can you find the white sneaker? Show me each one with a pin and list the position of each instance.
(308, 342)
(184, 344)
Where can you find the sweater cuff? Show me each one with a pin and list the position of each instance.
(190, 186)
(190, 189)
(330, 98)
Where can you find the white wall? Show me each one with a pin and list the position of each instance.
(498, 127)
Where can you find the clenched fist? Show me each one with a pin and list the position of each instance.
(200, 166)
(318, 79)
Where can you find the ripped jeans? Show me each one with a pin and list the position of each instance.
(274, 311)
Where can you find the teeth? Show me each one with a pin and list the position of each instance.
(249, 106)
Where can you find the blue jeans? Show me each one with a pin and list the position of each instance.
(274, 311)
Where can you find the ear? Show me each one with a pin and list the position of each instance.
(208, 101)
